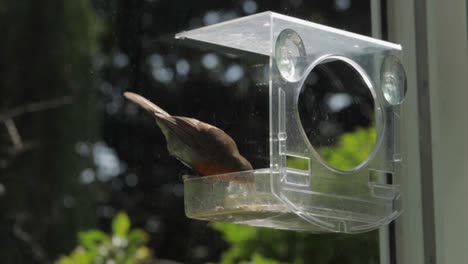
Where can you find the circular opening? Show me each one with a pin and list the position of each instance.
(338, 113)
(290, 55)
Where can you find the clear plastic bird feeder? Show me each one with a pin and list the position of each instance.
(316, 74)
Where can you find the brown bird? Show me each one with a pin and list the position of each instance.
(206, 149)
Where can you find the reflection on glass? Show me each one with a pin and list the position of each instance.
(337, 112)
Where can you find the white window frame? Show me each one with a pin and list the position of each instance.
(434, 179)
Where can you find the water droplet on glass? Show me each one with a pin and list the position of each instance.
(290, 55)
(393, 80)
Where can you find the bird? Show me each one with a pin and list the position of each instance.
(202, 147)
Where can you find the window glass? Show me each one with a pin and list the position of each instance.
(85, 174)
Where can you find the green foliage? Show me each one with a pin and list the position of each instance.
(121, 224)
(352, 149)
(261, 245)
(124, 246)
(265, 245)
(258, 259)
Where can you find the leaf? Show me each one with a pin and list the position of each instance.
(143, 253)
(123, 246)
(258, 259)
(120, 224)
(235, 233)
(77, 256)
(137, 237)
(91, 238)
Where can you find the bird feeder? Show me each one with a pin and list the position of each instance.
(305, 188)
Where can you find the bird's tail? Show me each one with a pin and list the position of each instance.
(145, 104)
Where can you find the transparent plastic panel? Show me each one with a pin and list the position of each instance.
(237, 34)
(253, 33)
(332, 130)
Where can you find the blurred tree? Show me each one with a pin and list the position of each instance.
(47, 106)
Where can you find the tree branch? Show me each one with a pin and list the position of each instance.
(14, 134)
(35, 107)
(37, 250)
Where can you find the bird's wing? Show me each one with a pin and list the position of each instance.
(145, 104)
(206, 139)
(209, 138)
(186, 130)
